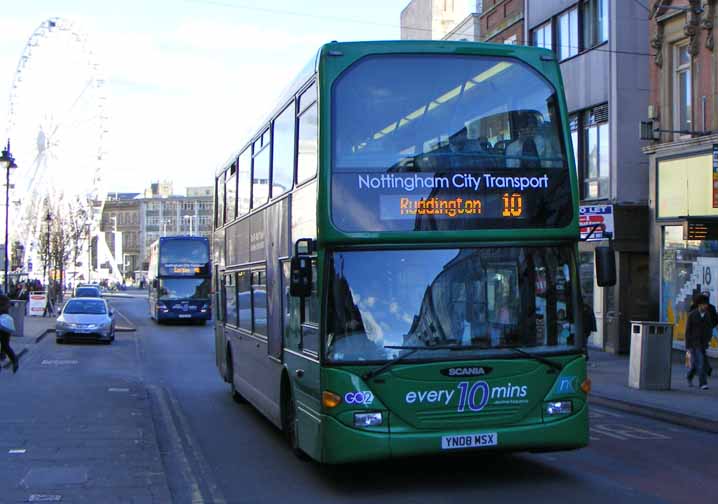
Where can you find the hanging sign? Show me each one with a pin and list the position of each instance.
(596, 222)
(715, 175)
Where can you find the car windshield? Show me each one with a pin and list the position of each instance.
(184, 288)
(481, 299)
(87, 292)
(85, 306)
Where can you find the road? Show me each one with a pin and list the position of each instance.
(214, 450)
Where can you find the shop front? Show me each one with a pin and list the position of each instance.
(684, 234)
(623, 227)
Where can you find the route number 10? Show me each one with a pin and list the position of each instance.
(513, 205)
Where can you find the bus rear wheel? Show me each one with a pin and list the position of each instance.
(238, 398)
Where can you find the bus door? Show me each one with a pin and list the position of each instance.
(301, 353)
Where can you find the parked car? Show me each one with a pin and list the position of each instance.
(86, 318)
(93, 291)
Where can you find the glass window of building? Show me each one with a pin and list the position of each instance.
(573, 124)
(689, 267)
(307, 149)
(244, 182)
(260, 174)
(682, 95)
(595, 22)
(568, 34)
(283, 152)
(542, 36)
(596, 153)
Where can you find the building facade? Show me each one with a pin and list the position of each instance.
(131, 222)
(601, 46)
(502, 22)
(120, 226)
(441, 19)
(174, 215)
(682, 123)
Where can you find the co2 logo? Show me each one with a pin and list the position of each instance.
(361, 397)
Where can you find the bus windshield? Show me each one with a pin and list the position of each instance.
(184, 288)
(184, 257)
(484, 299)
(477, 145)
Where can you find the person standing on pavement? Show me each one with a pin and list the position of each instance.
(699, 330)
(7, 329)
(714, 320)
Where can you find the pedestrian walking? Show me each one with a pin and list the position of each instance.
(699, 330)
(7, 329)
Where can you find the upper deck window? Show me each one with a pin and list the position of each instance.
(477, 145)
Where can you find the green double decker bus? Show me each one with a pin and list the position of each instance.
(395, 256)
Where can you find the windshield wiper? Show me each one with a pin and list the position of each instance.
(412, 350)
(544, 360)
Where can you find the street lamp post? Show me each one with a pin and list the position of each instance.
(48, 219)
(8, 162)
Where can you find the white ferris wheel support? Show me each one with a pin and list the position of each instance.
(58, 127)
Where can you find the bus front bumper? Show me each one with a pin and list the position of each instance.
(343, 444)
(193, 315)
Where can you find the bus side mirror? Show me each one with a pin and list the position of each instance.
(300, 276)
(155, 283)
(605, 266)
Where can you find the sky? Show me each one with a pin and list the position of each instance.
(186, 81)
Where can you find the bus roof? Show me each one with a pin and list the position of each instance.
(383, 46)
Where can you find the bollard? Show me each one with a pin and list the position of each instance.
(17, 312)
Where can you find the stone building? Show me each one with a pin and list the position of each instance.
(681, 121)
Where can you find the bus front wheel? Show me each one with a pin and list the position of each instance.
(290, 424)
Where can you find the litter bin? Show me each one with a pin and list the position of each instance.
(650, 360)
(17, 312)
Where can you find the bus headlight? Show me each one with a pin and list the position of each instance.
(555, 408)
(368, 419)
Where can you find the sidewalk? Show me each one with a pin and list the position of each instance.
(36, 328)
(681, 404)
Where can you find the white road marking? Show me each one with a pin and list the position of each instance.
(624, 432)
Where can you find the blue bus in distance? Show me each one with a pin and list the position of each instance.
(179, 279)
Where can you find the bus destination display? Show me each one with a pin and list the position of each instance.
(461, 200)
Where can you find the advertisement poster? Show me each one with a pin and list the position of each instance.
(700, 275)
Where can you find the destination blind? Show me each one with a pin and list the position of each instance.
(400, 201)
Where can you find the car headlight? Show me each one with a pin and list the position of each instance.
(554, 408)
(368, 419)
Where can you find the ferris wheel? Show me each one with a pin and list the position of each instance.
(57, 125)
